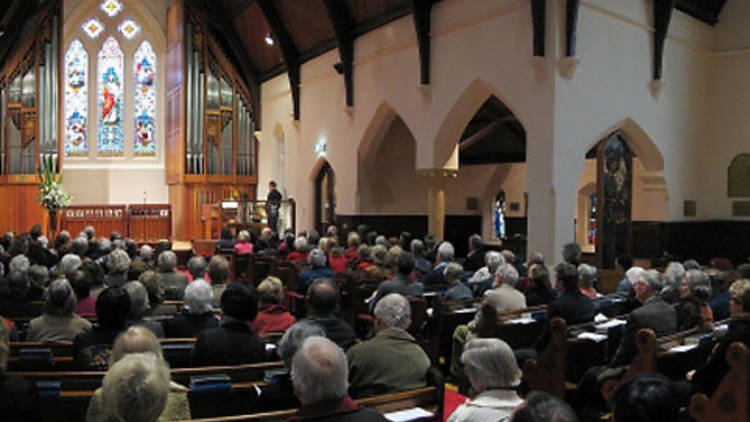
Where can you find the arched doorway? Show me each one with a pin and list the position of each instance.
(325, 197)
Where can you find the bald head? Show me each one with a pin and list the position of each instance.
(136, 339)
(323, 297)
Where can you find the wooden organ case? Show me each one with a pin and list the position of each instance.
(29, 107)
(211, 148)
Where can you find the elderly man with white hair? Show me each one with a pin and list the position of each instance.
(319, 375)
(493, 372)
(197, 315)
(654, 314)
(445, 254)
(482, 279)
(392, 360)
(504, 296)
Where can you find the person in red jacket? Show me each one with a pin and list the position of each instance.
(272, 316)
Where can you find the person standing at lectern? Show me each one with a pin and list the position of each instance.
(273, 205)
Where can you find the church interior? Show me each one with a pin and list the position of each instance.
(460, 210)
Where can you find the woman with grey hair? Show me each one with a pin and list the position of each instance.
(139, 307)
(197, 315)
(491, 367)
(586, 281)
(118, 263)
(278, 393)
(378, 256)
(58, 323)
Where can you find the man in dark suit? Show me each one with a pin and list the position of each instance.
(654, 314)
(475, 257)
(273, 205)
(233, 342)
(572, 305)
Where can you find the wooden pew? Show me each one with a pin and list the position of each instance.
(548, 372)
(644, 361)
(426, 397)
(730, 401)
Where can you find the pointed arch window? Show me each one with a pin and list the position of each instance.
(144, 100)
(110, 107)
(76, 99)
(111, 129)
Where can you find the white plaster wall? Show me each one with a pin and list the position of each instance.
(483, 47)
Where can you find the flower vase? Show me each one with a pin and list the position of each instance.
(52, 223)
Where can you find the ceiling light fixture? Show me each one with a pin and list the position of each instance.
(269, 39)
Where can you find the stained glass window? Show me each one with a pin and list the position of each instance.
(144, 100)
(76, 99)
(92, 27)
(110, 102)
(129, 29)
(111, 7)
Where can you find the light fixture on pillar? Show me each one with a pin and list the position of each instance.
(321, 147)
(268, 39)
(339, 67)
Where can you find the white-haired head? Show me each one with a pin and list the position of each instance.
(490, 362)
(198, 297)
(506, 274)
(135, 388)
(70, 263)
(317, 258)
(393, 311)
(319, 371)
(445, 252)
(586, 275)
(19, 263)
(493, 259)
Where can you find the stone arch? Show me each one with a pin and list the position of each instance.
(386, 166)
(639, 141)
(380, 122)
(460, 114)
(319, 163)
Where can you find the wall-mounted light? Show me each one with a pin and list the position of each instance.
(321, 147)
(269, 39)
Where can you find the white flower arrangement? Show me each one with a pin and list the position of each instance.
(52, 195)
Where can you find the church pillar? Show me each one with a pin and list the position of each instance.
(436, 181)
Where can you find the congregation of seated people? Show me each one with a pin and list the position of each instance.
(114, 301)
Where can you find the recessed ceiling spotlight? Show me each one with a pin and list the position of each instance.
(269, 39)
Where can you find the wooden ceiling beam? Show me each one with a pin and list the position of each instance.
(422, 14)
(343, 22)
(12, 23)
(244, 4)
(571, 26)
(484, 132)
(662, 16)
(288, 50)
(539, 23)
(216, 16)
